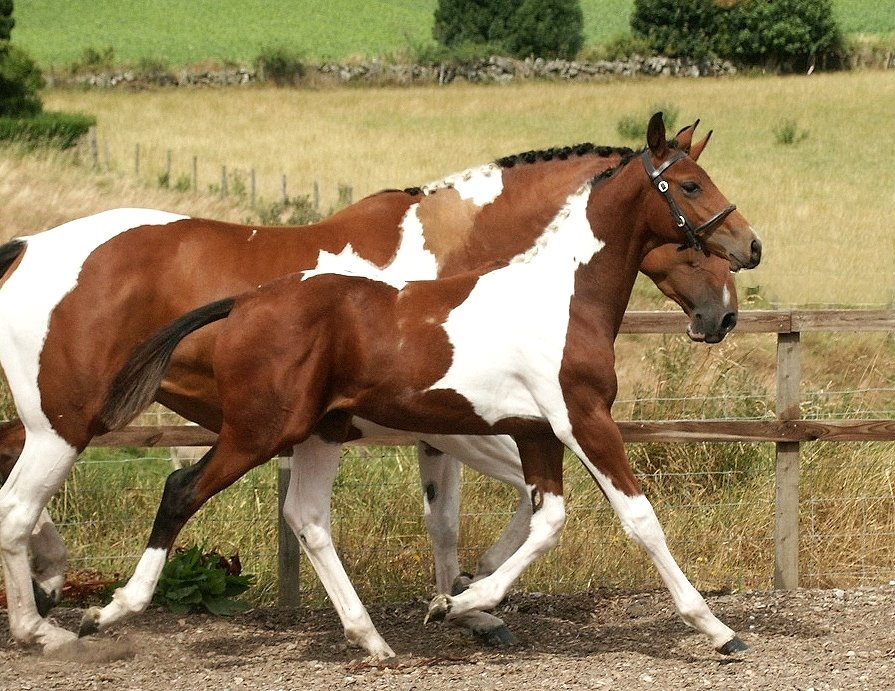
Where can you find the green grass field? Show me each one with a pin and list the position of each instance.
(56, 32)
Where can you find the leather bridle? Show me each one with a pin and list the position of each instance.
(693, 235)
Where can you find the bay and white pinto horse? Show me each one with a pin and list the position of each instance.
(75, 300)
(525, 349)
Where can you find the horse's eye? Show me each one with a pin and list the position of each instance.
(690, 187)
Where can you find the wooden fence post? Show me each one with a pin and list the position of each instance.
(289, 551)
(786, 513)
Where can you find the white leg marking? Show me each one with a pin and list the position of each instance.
(546, 526)
(45, 461)
(307, 511)
(641, 525)
(136, 594)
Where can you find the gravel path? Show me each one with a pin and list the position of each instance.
(808, 639)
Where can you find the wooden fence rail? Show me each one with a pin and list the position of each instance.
(788, 431)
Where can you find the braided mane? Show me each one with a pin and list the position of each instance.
(562, 153)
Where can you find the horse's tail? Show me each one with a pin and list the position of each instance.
(136, 384)
(9, 252)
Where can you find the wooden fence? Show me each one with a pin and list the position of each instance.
(788, 431)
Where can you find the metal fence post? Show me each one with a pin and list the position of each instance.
(786, 528)
(288, 549)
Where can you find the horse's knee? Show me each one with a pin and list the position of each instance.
(314, 537)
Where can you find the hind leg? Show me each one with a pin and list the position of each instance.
(498, 457)
(45, 462)
(307, 511)
(49, 558)
(49, 555)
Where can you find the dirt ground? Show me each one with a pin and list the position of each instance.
(808, 639)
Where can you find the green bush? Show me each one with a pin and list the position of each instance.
(547, 28)
(542, 28)
(782, 34)
(20, 80)
(280, 65)
(777, 34)
(676, 27)
(94, 60)
(6, 20)
(60, 130)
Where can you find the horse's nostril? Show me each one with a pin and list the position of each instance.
(728, 321)
(756, 250)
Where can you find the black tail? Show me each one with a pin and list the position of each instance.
(136, 384)
(9, 253)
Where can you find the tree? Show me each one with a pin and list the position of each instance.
(20, 78)
(543, 28)
(6, 20)
(547, 28)
(472, 21)
(787, 34)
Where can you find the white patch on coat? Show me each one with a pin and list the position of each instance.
(725, 296)
(482, 184)
(48, 271)
(412, 261)
(509, 335)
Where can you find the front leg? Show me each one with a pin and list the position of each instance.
(597, 441)
(542, 458)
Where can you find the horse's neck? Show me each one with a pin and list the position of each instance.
(604, 283)
(512, 207)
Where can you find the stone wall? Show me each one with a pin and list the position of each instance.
(496, 70)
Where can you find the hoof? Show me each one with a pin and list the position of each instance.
(499, 637)
(438, 609)
(89, 623)
(734, 645)
(461, 583)
(43, 600)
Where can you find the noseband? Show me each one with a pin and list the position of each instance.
(692, 234)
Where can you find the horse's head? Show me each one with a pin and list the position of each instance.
(699, 213)
(702, 285)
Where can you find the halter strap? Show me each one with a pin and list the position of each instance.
(692, 234)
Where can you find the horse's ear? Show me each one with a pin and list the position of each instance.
(697, 148)
(684, 138)
(655, 136)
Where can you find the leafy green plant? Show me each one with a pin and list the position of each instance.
(788, 132)
(193, 581)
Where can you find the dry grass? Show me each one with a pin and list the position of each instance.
(822, 204)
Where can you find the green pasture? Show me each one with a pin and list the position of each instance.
(57, 32)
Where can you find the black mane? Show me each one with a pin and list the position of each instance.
(562, 153)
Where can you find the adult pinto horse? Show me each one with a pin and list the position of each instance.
(64, 330)
(525, 349)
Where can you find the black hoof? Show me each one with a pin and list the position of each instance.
(89, 626)
(501, 637)
(734, 645)
(461, 583)
(44, 601)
